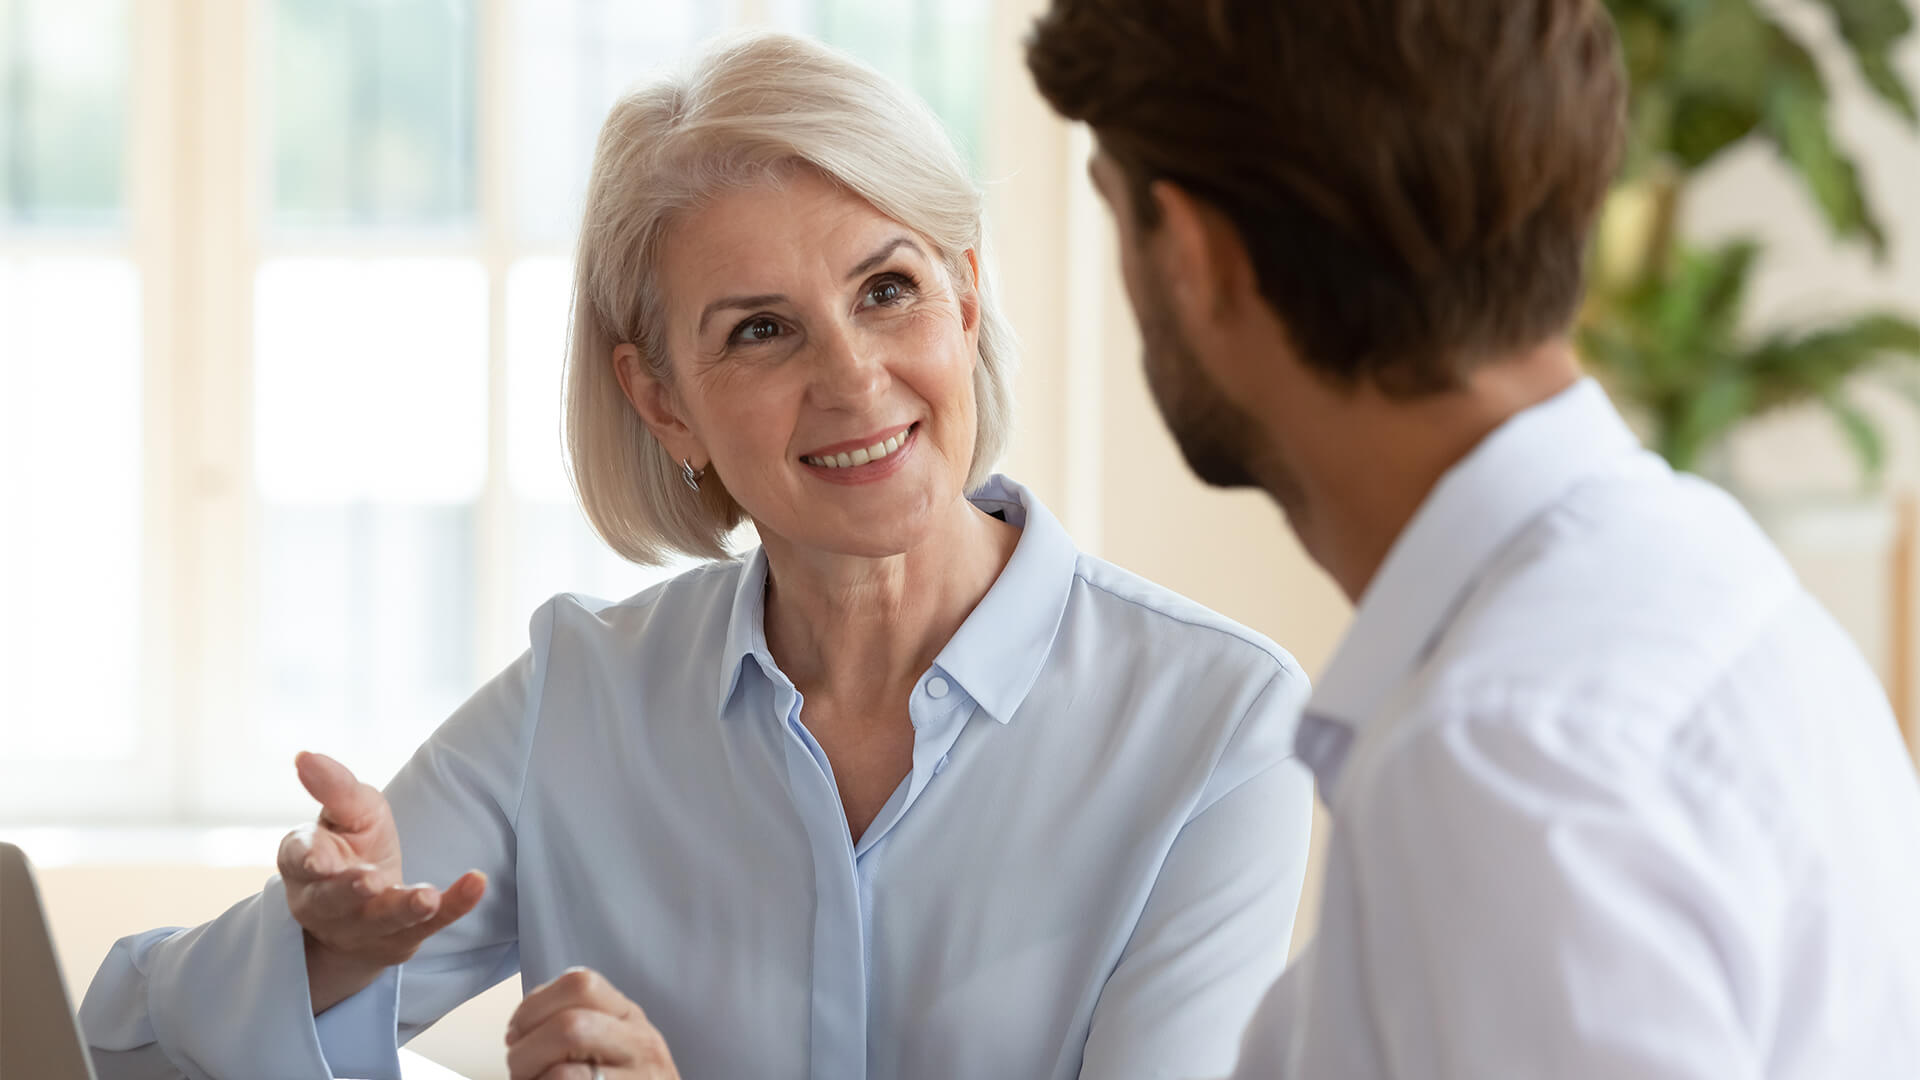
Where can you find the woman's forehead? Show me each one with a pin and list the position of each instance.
(799, 205)
(801, 226)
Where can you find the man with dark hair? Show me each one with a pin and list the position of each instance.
(1612, 795)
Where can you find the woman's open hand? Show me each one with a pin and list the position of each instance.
(578, 1023)
(343, 883)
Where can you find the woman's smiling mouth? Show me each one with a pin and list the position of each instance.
(863, 456)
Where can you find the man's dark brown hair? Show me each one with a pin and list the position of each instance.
(1414, 180)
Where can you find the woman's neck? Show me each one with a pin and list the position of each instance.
(839, 624)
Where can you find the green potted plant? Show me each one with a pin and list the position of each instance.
(1663, 327)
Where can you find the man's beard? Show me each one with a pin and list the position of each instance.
(1222, 444)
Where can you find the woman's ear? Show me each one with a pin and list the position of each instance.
(970, 296)
(654, 401)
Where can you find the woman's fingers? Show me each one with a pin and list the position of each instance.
(346, 804)
(296, 849)
(311, 852)
(385, 923)
(458, 898)
(570, 1035)
(574, 988)
(338, 898)
(581, 1017)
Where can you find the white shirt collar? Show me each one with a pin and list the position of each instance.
(1521, 469)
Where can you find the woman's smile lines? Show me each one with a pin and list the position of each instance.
(865, 455)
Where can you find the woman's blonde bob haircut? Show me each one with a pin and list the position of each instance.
(744, 114)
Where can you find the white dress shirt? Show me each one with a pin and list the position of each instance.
(1612, 796)
(1091, 870)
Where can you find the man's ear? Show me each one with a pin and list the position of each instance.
(1203, 262)
(654, 401)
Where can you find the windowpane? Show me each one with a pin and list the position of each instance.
(63, 116)
(370, 411)
(555, 550)
(373, 112)
(70, 507)
(536, 360)
(572, 60)
(937, 47)
(367, 636)
(370, 380)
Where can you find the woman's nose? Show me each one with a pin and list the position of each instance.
(847, 371)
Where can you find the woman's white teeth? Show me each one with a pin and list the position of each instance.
(865, 456)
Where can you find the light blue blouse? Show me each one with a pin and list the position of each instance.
(1091, 871)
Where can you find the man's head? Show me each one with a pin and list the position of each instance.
(1382, 194)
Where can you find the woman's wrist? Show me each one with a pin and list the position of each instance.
(333, 978)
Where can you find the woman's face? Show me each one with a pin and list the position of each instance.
(822, 365)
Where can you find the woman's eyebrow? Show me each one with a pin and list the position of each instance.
(874, 260)
(729, 302)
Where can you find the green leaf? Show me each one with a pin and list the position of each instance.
(1704, 126)
(1646, 38)
(1861, 432)
(1669, 11)
(1649, 130)
(1886, 81)
(1870, 23)
(1728, 270)
(1791, 367)
(1707, 418)
(1865, 339)
(1872, 28)
(1796, 119)
(1696, 309)
(1724, 53)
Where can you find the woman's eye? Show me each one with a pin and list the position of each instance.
(888, 291)
(754, 330)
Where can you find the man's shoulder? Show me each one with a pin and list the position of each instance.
(1637, 590)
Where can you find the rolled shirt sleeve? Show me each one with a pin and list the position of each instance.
(225, 999)
(228, 1000)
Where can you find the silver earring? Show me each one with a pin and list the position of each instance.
(690, 474)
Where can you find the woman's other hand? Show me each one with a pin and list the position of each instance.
(343, 883)
(578, 1023)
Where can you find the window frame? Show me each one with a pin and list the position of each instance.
(198, 180)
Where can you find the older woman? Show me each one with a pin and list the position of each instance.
(914, 790)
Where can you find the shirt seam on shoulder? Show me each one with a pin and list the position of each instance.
(1505, 706)
(530, 722)
(652, 591)
(1278, 655)
(1233, 733)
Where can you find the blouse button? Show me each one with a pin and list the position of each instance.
(937, 687)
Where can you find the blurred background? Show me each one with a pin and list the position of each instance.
(283, 292)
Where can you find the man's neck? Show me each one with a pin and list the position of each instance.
(1360, 464)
